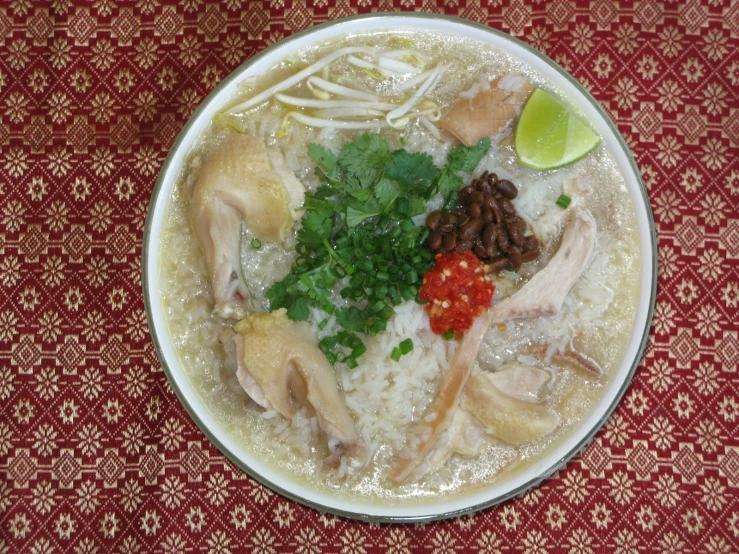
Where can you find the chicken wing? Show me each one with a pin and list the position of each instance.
(241, 181)
(281, 368)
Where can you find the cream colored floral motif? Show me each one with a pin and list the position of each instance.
(581, 542)
(240, 517)
(44, 443)
(87, 497)
(443, 542)
(621, 488)
(43, 497)
(398, 543)
(667, 491)
(151, 522)
(68, 412)
(20, 525)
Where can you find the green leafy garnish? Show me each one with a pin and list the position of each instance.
(462, 159)
(357, 237)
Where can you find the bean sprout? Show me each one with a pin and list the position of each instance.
(315, 103)
(410, 83)
(427, 86)
(356, 104)
(371, 67)
(404, 53)
(389, 64)
(433, 129)
(317, 82)
(320, 122)
(331, 113)
(299, 76)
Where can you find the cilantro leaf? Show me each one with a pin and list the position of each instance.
(414, 171)
(317, 224)
(362, 194)
(324, 158)
(355, 216)
(298, 309)
(461, 158)
(319, 220)
(364, 158)
(449, 182)
(323, 192)
(417, 206)
(283, 294)
(408, 206)
(312, 282)
(386, 191)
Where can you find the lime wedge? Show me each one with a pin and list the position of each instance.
(549, 136)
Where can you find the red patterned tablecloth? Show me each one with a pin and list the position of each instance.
(96, 453)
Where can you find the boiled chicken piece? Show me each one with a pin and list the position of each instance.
(508, 418)
(281, 367)
(519, 384)
(439, 415)
(545, 293)
(241, 181)
(464, 437)
(572, 358)
(489, 112)
(520, 381)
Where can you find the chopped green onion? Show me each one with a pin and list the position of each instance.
(406, 346)
(449, 335)
(256, 244)
(322, 324)
(395, 355)
(563, 201)
(407, 225)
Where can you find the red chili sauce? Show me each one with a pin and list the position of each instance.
(457, 290)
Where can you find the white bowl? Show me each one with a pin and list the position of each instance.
(478, 499)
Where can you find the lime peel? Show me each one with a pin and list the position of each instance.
(549, 136)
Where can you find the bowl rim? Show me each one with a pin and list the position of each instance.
(231, 456)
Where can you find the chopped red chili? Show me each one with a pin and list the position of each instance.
(457, 290)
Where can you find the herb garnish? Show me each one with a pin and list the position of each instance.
(357, 227)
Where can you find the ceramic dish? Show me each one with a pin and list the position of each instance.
(477, 499)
